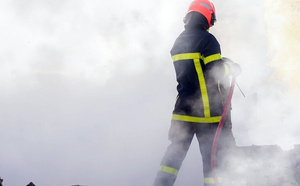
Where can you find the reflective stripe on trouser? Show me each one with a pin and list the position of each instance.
(210, 181)
(166, 176)
(169, 170)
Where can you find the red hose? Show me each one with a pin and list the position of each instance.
(218, 132)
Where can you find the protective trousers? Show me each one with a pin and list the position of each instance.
(181, 135)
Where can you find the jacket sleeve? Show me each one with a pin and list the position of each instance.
(215, 65)
(222, 68)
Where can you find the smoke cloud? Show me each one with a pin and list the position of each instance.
(88, 87)
(283, 34)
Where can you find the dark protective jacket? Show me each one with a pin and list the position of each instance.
(200, 72)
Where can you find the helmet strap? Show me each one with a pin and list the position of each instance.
(213, 19)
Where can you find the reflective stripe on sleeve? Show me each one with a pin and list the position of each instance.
(211, 58)
(168, 170)
(226, 71)
(186, 56)
(228, 67)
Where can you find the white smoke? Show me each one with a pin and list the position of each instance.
(88, 88)
(283, 35)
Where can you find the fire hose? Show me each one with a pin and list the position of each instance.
(218, 132)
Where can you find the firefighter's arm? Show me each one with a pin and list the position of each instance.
(215, 65)
(223, 68)
(231, 68)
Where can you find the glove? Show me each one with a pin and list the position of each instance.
(235, 68)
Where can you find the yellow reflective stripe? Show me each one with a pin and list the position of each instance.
(211, 58)
(186, 56)
(210, 180)
(226, 71)
(176, 100)
(194, 119)
(228, 67)
(206, 60)
(168, 170)
(219, 86)
(196, 58)
(202, 88)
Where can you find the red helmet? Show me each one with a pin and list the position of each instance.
(204, 7)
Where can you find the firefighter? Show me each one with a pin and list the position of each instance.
(203, 84)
